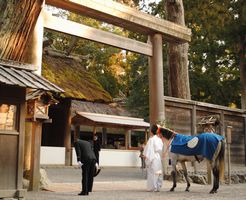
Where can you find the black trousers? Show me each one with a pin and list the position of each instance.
(88, 170)
(97, 156)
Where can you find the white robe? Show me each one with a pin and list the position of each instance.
(153, 152)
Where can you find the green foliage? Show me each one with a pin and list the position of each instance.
(213, 53)
(138, 99)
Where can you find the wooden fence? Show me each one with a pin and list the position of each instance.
(183, 116)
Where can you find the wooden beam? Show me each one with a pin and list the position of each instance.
(89, 33)
(202, 104)
(126, 17)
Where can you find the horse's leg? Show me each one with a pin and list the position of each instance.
(215, 166)
(174, 171)
(185, 175)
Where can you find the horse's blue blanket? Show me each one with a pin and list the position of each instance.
(206, 146)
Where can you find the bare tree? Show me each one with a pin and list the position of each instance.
(178, 76)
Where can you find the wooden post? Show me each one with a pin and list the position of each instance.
(33, 55)
(94, 130)
(21, 146)
(126, 139)
(35, 156)
(28, 146)
(146, 136)
(104, 137)
(245, 139)
(67, 138)
(76, 132)
(130, 138)
(222, 132)
(193, 130)
(228, 141)
(156, 86)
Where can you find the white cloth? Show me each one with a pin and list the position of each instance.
(152, 153)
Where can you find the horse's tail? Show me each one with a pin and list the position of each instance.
(221, 158)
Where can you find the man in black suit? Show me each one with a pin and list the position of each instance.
(86, 160)
(96, 147)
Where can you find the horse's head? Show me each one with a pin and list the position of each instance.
(154, 129)
(166, 133)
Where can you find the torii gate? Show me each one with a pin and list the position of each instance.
(125, 17)
(122, 16)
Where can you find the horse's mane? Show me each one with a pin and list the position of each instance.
(154, 129)
(166, 133)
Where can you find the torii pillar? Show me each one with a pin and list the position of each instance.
(156, 87)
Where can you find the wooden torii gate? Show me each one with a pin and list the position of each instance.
(120, 15)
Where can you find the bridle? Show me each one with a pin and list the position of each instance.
(169, 141)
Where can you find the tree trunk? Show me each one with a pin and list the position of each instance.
(178, 76)
(243, 70)
(17, 20)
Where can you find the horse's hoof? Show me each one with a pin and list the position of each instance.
(187, 190)
(212, 191)
(172, 190)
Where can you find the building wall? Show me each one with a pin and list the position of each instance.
(108, 157)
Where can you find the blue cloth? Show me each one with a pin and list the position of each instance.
(206, 146)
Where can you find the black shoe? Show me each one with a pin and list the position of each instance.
(83, 193)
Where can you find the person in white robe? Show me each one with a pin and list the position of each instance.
(153, 154)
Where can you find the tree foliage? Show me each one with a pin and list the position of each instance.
(138, 98)
(213, 55)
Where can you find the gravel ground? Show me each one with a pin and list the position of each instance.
(129, 184)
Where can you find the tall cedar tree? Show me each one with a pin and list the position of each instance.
(17, 20)
(178, 76)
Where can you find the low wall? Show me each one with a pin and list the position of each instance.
(108, 157)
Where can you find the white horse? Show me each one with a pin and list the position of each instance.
(194, 148)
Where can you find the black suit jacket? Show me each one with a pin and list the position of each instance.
(84, 151)
(96, 146)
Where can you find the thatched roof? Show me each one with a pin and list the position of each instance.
(68, 74)
(102, 108)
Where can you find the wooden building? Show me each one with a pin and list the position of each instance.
(15, 81)
(83, 94)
